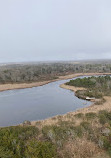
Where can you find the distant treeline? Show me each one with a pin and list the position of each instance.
(19, 73)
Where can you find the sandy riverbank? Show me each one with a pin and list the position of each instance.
(72, 88)
(68, 116)
(4, 87)
(93, 107)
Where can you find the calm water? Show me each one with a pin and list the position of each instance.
(37, 103)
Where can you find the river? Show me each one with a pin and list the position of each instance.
(37, 103)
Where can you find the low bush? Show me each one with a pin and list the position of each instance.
(90, 115)
(104, 117)
(79, 115)
(85, 125)
(36, 149)
(13, 140)
(55, 133)
(78, 131)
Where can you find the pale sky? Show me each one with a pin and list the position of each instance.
(41, 30)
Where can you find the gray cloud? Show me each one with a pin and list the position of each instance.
(54, 30)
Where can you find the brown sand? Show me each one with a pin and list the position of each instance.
(72, 88)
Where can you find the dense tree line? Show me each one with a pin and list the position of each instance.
(19, 73)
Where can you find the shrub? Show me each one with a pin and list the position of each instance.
(26, 123)
(78, 131)
(106, 142)
(5, 153)
(67, 124)
(104, 112)
(79, 115)
(85, 125)
(38, 123)
(40, 150)
(61, 133)
(104, 116)
(57, 132)
(13, 139)
(90, 115)
(102, 119)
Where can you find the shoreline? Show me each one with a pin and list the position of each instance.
(4, 87)
(78, 133)
(54, 119)
(72, 88)
(92, 108)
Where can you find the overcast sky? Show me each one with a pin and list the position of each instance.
(38, 30)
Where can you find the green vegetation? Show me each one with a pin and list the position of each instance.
(84, 82)
(79, 115)
(95, 86)
(19, 142)
(84, 135)
(52, 141)
(40, 150)
(90, 115)
(79, 136)
(105, 117)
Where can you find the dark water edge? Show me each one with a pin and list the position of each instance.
(37, 103)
